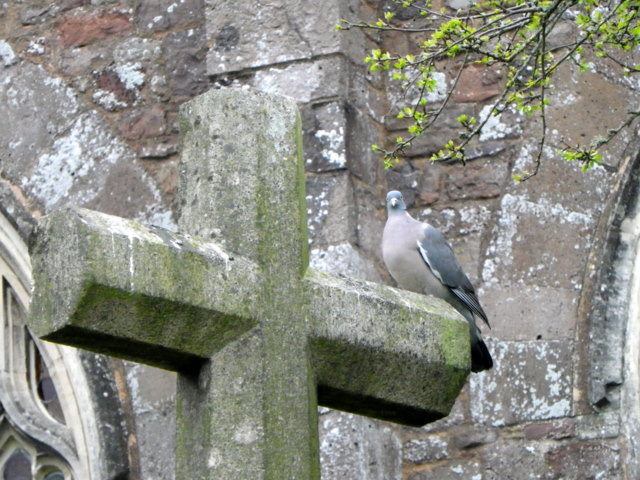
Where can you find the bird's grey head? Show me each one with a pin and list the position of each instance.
(395, 202)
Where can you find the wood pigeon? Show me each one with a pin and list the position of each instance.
(421, 260)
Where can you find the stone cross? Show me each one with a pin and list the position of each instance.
(257, 337)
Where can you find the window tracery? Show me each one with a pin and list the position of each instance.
(42, 436)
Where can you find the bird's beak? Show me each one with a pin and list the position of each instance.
(394, 202)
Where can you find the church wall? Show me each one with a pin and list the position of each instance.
(89, 92)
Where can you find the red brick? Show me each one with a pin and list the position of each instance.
(76, 31)
(477, 83)
(150, 123)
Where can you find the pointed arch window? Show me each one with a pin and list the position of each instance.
(49, 417)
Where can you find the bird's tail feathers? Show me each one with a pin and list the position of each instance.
(480, 357)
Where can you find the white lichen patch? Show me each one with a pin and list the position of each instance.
(108, 100)
(333, 150)
(440, 91)
(131, 75)
(494, 129)
(342, 259)
(246, 433)
(7, 55)
(319, 212)
(296, 80)
(36, 46)
(529, 382)
(73, 157)
(136, 49)
(513, 208)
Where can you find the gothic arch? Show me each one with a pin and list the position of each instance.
(60, 416)
(611, 342)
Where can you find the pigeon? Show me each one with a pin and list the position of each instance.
(420, 259)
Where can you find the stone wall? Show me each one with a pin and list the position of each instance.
(89, 92)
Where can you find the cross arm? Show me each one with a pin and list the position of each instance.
(110, 285)
(383, 352)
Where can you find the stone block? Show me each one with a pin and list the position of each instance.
(505, 125)
(149, 123)
(557, 430)
(24, 90)
(579, 192)
(480, 180)
(161, 15)
(152, 394)
(601, 425)
(86, 28)
(352, 446)
(69, 156)
(185, 69)
(286, 33)
(582, 460)
(428, 144)
(330, 209)
(529, 381)
(538, 242)
(426, 450)
(467, 469)
(304, 81)
(515, 459)
(478, 83)
(530, 312)
(343, 259)
(370, 221)
(7, 55)
(364, 163)
(366, 91)
(474, 438)
(324, 127)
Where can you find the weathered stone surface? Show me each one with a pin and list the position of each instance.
(477, 181)
(343, 259)
(448, 117)
(478, 83)
(83, 29)
(468, 469)
(426, 450)
(426, 145)
(185, 53)
(68, 154)
(363, 163)
(370, 220)
(330, 209)
(117, 90)
(150, 122)
(160, 15)
(429, 185)
(358, 447)
(474, 438)
(285, 33)
(553, 308)
(534, 236)
(7, 55)
(516, 459)
(529, 381)
(324, 128)
(304, 81)
(557, 430)
(153, 396)
(586, 460)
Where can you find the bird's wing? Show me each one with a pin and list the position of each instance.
(438, 255)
